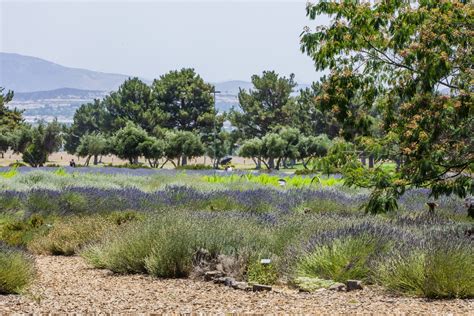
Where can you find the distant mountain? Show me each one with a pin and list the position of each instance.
(24, 74)
(63, 93)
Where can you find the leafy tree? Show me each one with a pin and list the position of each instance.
(92, 145)
(413, 62)
(127, 142)
(182, 145)
(5, 141)
(8, 118)
(265, 108)
(90, 118)
(132, 102)
(310, 147)
(220, 147)
(183, 102)
(252, 148)
(37, 143)
(273, 147)
(153, 149)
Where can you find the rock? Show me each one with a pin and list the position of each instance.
(354, 285)
(241, 286)
(261, 287)
(305, 284)
(211, 275)
(229, 281)
(220, 280)
(338, 287)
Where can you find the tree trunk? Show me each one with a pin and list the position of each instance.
(184, 161)
(271, 163)
(87, 160)
(96, 160)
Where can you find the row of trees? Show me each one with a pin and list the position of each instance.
(399, 88)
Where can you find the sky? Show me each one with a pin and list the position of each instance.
(223, 40)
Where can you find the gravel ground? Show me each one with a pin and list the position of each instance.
(67, 284)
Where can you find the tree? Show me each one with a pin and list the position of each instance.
(252, 148)
(92, 145)
(127, 142)
(183, 101)
(37, 143)
(265, 108)
(8, 118)
(153, 149)
(220, 147)
(310, 147)
(90, 118)
(132, 102)
(182, 145)
(413, 62)
(273, 147)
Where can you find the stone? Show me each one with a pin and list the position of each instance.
(261, 287)
(241, 286)
(211, 275)
(354, 285)
(337, 287)
(229, 281)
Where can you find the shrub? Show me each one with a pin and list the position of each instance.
(435, 273)
(261, 273)
(341, 260)
(16, 270)
(19, 233)
(69, 236)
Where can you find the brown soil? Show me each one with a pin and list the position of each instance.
(67, 284)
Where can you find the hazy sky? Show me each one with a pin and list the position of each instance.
(222, 40)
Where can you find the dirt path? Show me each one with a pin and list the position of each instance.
(67, 284)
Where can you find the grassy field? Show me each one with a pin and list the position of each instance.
(174, 224)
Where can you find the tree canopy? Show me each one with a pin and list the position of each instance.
(412, 61)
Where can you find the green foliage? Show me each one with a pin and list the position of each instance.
(400, 75)
(92, 145)
(183, 145)
(89, 118)
(16, 271)
(438, 273)
(132, 102)
(9, 119)
(341, 260)
(153, 149)
(266, 107)
(184, 102)
(261, 273)
(9, 173)
(127, 142)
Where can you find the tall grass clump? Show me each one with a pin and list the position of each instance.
(16, 270)
(434, 272)
(69, 235)
(342, 259)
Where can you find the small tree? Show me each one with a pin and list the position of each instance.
(273, 147)
(252, 148)
(127, 142)
(183, 145)
(92, 145)
(311, 147)
(153, 149)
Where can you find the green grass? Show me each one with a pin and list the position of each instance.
(16, 271)
(438, 273)
(341, 260)
(265, 179)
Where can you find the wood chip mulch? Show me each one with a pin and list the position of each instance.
(68, 284)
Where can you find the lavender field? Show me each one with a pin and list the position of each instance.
(175, 224)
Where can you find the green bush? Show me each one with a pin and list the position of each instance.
(19, 232)
(16, 270)
(68, 236)
(341, 260)
(261, 273)
(434, 273)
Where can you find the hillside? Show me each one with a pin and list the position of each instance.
(25, 73)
